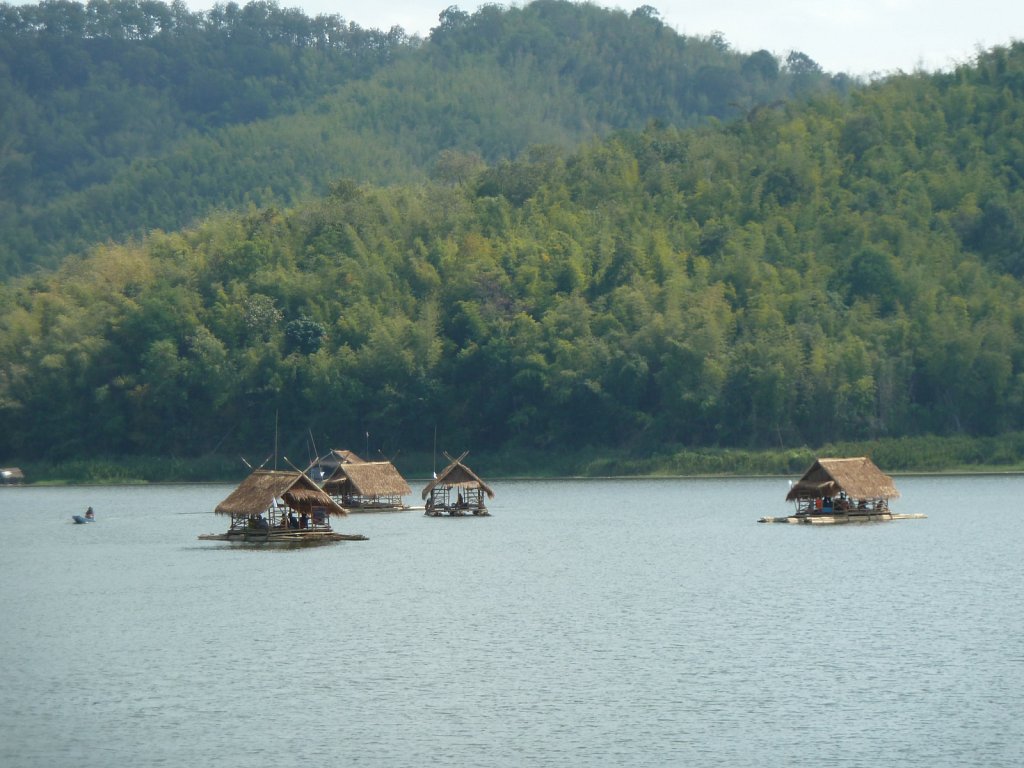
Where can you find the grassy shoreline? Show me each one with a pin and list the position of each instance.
(907, 455)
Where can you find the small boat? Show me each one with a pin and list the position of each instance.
(88, 517)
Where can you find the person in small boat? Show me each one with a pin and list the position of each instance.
(89, 514)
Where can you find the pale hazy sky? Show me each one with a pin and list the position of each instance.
(862, 38)
(865, 37)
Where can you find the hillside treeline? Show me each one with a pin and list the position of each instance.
(840, 270)
(123, 116)
(91, 94)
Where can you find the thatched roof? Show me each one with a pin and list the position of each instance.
(325, 466)
(458, 475)
(370, 478)
(859, 478)
(259, 490)
(346, 457)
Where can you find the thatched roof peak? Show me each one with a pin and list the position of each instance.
(857, 477)
(458, 475)
(346, 457)
(263, 487)
(323, 467)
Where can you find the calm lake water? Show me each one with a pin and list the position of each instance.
(586, 623)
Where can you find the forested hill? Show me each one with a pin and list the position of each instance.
(122, 116)
(845, 268)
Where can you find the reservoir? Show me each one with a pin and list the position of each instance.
(643, 622)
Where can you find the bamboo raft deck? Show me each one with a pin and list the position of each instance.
(456, 511)
(371, 508)
(841, 518)
(283, 535)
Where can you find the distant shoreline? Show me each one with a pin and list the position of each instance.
(926, 456)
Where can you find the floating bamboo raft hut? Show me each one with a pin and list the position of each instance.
(849, 490)
(11, 476)
(279, 506)
(367, 486)
(457, 492)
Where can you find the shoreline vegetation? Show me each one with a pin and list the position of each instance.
(905, 455)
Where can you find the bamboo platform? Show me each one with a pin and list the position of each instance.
(841, 519)
(455, 512)
(286, 536)
(381, 508)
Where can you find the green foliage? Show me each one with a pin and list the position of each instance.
(124, 117)
(695, 295)
(117, 115)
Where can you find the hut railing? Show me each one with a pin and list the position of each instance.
(810, 506)
(353, 500)
(444, 501)
(279, 520)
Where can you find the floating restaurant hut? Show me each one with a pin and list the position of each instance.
(841, 491)
(279, 506)
(11, 476)
(457, 491)
(368, 486)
